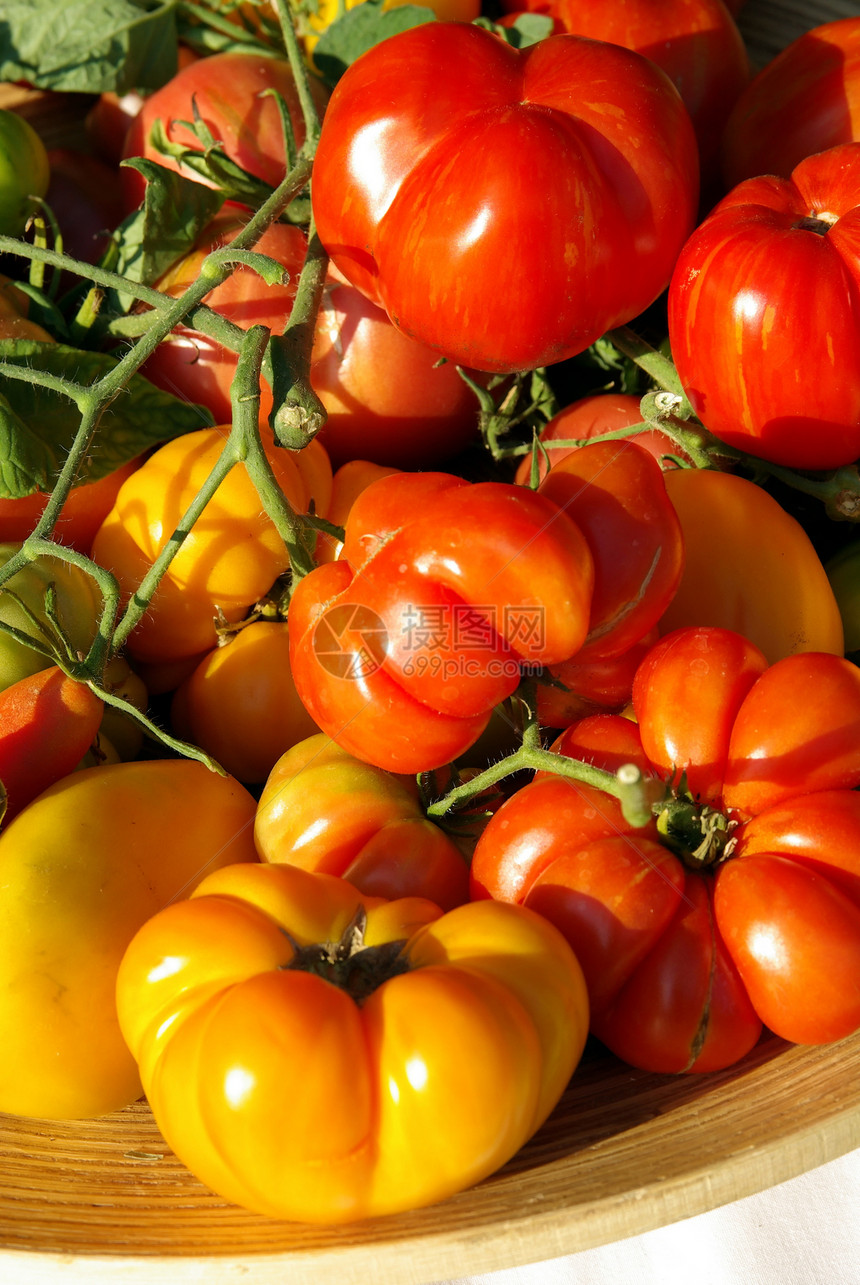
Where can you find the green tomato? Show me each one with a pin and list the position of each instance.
(24, 171)
(77, 603)
(843, 571)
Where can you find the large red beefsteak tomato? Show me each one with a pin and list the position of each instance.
(506, 207)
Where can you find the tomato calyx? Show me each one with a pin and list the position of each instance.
(819, 223)
(348, 963)
(700, 835)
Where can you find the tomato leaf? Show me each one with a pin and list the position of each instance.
(89, 46)
(358, 30)
(38, 425)
(175, 210)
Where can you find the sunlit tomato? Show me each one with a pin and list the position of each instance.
(443, 591)
(47, 721)
(231, 558)
(616, 495)
(696, 42)
(412, 1064)
(749, 567)
(387, 397)
(115, 844)
(85, 509)
(803, 101)
(321, 809)
(591, 417)
(423, 237)
(231, 93)
(24, 171)
(738, 905)
(770, 361)
(240, 703)
(77, 607)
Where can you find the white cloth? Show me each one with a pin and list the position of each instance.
(803, 1232)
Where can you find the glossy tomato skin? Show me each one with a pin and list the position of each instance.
(285, 1095)
(749, 567)
(771, 361)
(233, 555)
(240, 703)
(86, 507)
(47, 723)
(422, 237)
(115, 845)
(805, 100)
(24, 171)
(685, 963)
(323, 810)
(616, 494)
(696, 42)
(386, 397)
(231, 92)
(444, 590)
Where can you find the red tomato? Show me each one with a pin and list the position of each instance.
(444, 589)
(696, 42)
(197, 367)
(591, 417)
(688, 943)
(230, 91)
(771, 360)
(387, 399)
(615, 493)
(423, 209)
(602, 686)
(85, 509)
(348, 483)
(326, 811)
(804, 100)
(47, 723)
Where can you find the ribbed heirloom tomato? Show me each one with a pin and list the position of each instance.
(444, 589)
(315, 1054)
(505, 207)
(771, 360)
(739, 904)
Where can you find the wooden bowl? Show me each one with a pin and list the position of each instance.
(625, 1151)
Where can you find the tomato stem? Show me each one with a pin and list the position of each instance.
(348, 963)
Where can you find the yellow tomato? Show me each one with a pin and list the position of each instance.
(321, 1085)
(81, 868)
(749, 567)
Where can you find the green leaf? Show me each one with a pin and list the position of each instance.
(89, 46)
(174, 212)
(527, 29)
(38, 425)
(358, 30)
